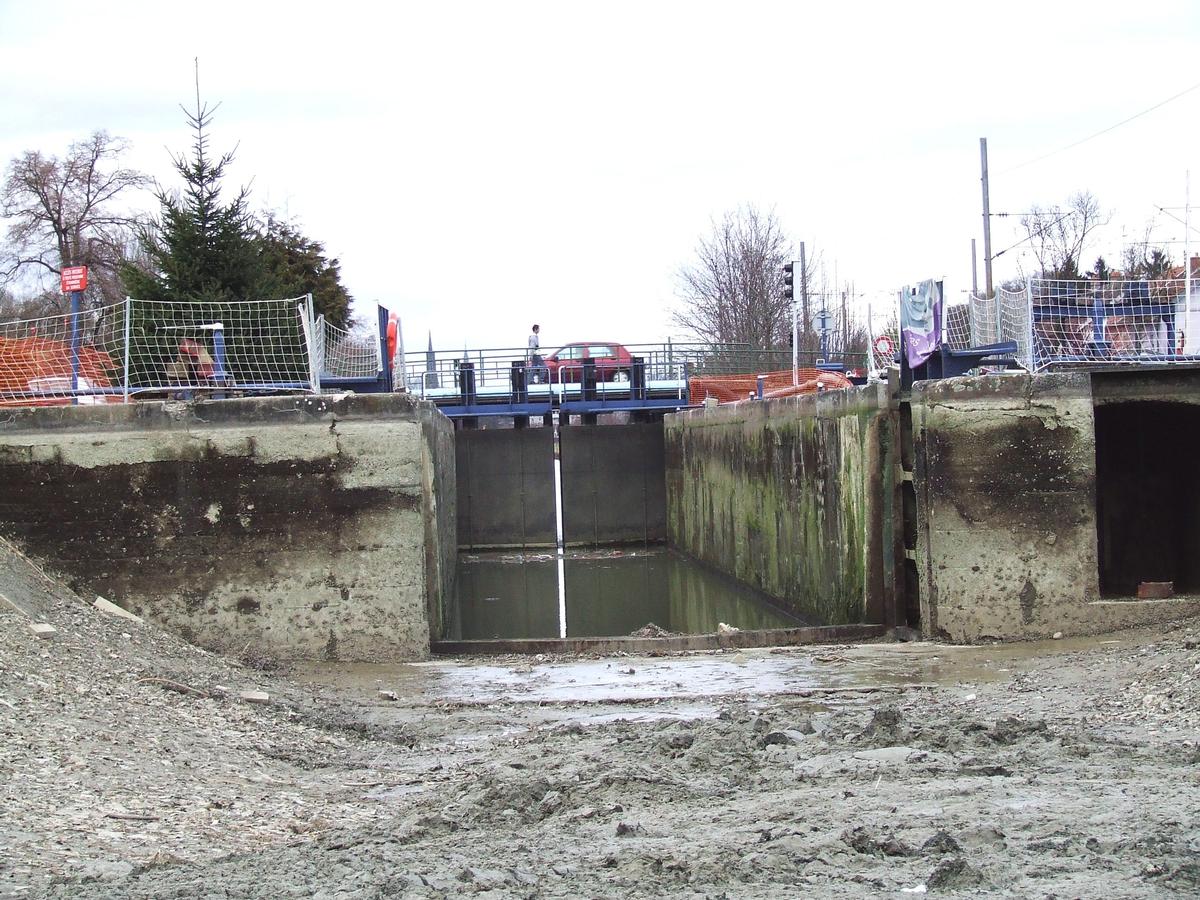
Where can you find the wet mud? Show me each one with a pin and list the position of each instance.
(134, 765)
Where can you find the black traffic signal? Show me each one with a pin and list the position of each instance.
(789, 282)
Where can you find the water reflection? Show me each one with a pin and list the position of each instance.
(607, 593)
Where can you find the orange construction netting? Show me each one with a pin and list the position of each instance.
(41, 367)
(731, 388)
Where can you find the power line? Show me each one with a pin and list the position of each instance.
(1038, 232)
(1102, 131)
(1177, 219)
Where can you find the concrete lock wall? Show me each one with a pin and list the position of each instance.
(308, 527)
(1006, 486)
(794, 496)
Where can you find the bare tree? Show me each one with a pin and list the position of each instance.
(67, 212)
(1058, 235)
(733, 292)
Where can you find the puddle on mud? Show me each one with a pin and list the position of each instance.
(596, 691)
(623, 678)
(602, 593)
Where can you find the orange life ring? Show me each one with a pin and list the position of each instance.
(393, 328)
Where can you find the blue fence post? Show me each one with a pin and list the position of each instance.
(759, 386)
(219, 370)
(76, 298)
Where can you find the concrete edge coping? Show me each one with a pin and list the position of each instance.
(775, 637)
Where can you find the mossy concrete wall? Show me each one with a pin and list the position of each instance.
(793, 496)
(1006, 490)
(304, 527)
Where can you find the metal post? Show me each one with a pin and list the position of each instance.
(1187, 262)
(987, 219)
(795, 347)
(128, 317)
(401, 357)
(1029, 323)
(518, 390)
(383, 322)
(308, 323)
(466, 382)
(76, 298)
(588, 380)
(974, 270)
(758, 387)
(219, 371)
(804, 287)
(637, 379)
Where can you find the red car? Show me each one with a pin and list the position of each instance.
(613, 362)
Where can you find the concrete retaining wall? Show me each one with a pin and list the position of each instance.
(302, 527)
(793, 496)
(1006, 492)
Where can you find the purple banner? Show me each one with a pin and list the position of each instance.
(921, 321)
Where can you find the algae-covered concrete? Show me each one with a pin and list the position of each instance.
(1006, 486)
(302, 527)
(790, 496)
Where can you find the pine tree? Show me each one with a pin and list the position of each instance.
(297, 265)
(200, 248)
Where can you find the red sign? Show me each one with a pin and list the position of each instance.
(74, 278)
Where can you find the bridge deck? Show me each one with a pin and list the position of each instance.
(500, 400)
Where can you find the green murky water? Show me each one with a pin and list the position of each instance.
(599, 594)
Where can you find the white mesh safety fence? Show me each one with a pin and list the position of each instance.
(1060, 323)
(1012, 322)
(956, 325)
(342, 353)
(985, 320)
(117, 352)
(1096, 322)
(261, 345)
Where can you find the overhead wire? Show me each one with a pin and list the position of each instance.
(1102, 131)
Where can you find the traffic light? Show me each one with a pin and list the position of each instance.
(789, 282)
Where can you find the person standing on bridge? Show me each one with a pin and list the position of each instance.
(535, 361)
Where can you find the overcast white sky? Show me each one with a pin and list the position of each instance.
(480, 166)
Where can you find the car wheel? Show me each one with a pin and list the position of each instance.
(620, 375)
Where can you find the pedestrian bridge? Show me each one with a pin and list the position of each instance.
(467, 384)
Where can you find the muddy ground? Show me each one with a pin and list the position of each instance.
(132, 766)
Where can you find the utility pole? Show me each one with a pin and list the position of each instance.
(987, 219)
(845, 328)
(974, 270)
(804, 289)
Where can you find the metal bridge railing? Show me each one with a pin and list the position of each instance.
(436, 370)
